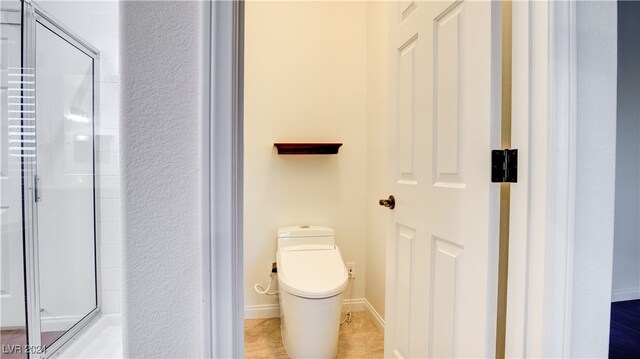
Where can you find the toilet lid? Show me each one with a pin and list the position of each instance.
(311, 271)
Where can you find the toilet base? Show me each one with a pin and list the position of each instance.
(310, 327)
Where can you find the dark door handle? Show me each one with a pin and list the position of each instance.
(389, 203)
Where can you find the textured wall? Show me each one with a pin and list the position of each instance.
(626, 248)
(595, 166)
(305, 80)
(161, 153)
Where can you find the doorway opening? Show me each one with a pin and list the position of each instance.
(415, 104)
(315, 72)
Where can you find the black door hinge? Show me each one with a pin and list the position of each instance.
(504, 166)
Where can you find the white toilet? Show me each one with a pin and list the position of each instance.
(312, 278)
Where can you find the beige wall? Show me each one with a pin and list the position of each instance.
(377, 218)
(305, 81)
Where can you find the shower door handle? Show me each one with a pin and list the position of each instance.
(36, 190)
(389, 203)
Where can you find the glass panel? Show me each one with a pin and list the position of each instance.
(65, 208)
(13, 334)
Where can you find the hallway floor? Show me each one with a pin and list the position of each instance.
(624, 340)
(358, 339)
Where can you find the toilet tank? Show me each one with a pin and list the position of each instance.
(301, 235)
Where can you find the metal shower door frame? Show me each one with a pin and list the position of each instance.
(32, 15)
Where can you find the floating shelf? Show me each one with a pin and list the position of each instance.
(307, 148)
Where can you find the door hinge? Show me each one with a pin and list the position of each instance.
(504, 166)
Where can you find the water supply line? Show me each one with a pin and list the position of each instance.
(260, 289)
(347, 315)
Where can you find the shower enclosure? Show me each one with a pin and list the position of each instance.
(49, 259)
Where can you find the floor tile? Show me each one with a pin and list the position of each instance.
(358, 339)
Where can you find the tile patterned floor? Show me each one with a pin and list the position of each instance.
(358, 339)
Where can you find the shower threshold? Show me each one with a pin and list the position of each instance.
(103, 339)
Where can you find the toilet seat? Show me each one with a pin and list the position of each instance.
(312, 271)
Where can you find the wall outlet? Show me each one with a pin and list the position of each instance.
(351, 267)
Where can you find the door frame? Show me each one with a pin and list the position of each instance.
(222, 168)
(543, 206)
(542, 202)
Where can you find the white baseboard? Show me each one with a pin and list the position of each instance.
(374, 315)
(262, 311)
(357, 305)
(622, 295)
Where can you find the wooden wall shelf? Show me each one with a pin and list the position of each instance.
(307, 148)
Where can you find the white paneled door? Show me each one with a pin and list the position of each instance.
(442, 249)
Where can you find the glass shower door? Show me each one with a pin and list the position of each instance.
(64, 182)
(49, 252)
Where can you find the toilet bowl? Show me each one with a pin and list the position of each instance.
(312, 278)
